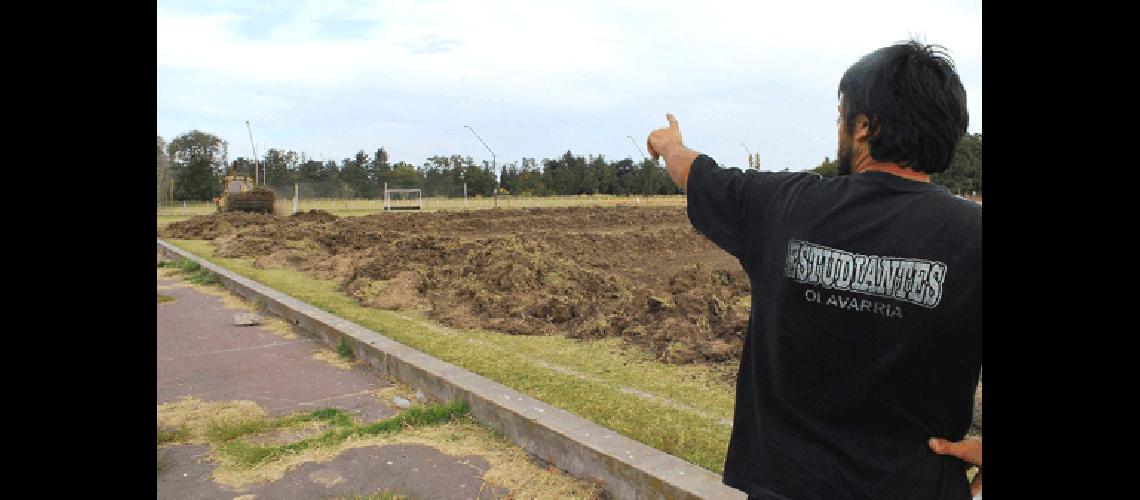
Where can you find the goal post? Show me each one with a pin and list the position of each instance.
(402, 199)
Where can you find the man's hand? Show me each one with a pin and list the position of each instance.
(968, 450)
(661, 139)
(667, 142)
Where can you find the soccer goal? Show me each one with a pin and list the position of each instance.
(402, 199)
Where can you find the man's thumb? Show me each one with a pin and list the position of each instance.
(944, 447)
(937, 445)
(672, 121)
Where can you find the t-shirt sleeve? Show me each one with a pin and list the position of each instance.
(716, 199)
(729, 206)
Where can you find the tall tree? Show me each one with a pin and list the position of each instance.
(404, 176)
(588, 181)
(653, 179)
(626, 171)
(280, 168)
(433, 177)
(311, 171)
(197, 159)
(565, 175)
(481, 180)
(309, 176)
(965, 172)
(606, 174)
(379, 169)
(446, 176)
(439, 179)
(165, 179)
(330, 184)
(828, 168)
(509, 176)
(530, 181)
(354, 174)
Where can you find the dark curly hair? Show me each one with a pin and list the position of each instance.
(914, 101)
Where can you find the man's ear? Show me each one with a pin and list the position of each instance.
(862, 128)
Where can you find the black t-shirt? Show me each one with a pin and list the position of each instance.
(865, 334)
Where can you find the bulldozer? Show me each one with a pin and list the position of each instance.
(240, 195)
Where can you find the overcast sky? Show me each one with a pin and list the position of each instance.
(534, 78)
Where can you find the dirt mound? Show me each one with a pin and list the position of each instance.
(208, 227)
(641, 274)
(703, 313)
(314, 216)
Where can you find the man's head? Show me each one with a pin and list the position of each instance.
(906, 105)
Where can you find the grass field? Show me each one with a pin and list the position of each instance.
(679, 409)
(178, 211)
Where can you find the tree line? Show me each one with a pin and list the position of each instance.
(192, 165)
(964, 175)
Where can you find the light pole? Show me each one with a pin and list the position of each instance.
(494, 162)
(638, 147)
(255, 162)
(749, 155)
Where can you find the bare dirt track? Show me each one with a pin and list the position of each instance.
(639, 273)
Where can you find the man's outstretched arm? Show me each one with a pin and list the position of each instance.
(666, 142)
(716, 196)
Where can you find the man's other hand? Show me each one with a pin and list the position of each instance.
(967, 450)
(661, 139)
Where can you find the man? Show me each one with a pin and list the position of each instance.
(864, 341)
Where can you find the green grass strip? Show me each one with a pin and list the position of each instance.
(228, 431)
(248, 455)
(166, 436)
(194, 272)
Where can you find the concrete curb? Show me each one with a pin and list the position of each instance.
(627, 468)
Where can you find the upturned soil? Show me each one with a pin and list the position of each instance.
(639, 273)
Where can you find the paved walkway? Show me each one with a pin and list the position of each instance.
(201, 353)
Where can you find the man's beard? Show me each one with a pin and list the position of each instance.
(845, 159)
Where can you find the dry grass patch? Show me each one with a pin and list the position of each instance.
(288, 435)
(278, 326)
(334, 359)
(168, 272)
(197, 416)
(388, 395)
(209, 422)
(511, 467)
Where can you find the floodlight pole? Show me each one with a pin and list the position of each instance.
(255, 162)
(494, 163)
(638, 147)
